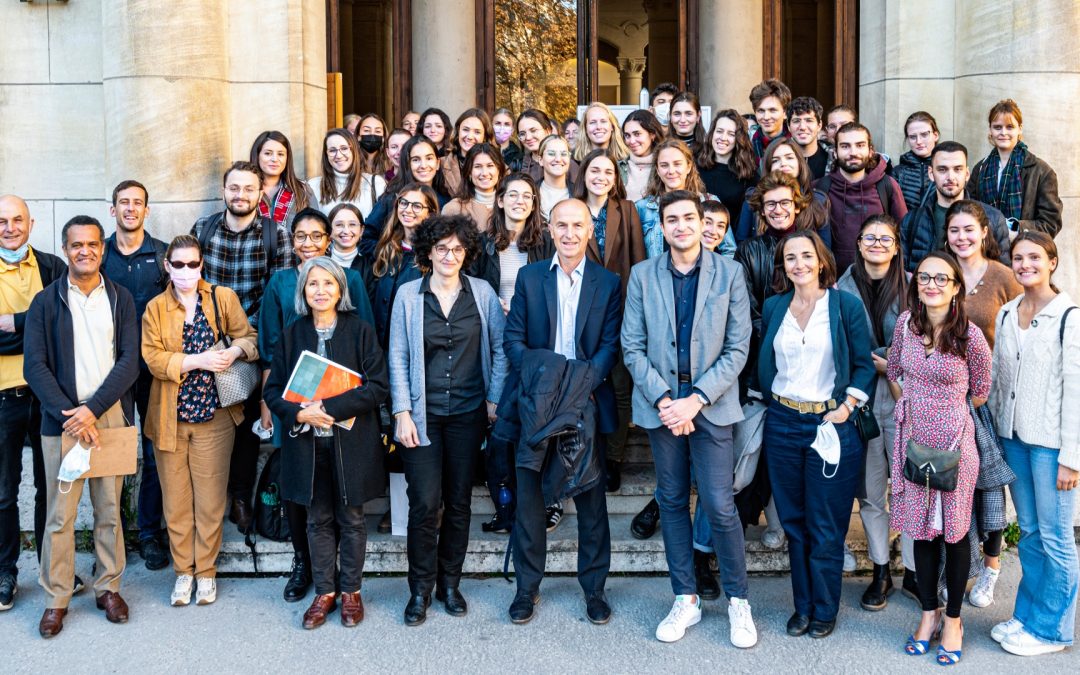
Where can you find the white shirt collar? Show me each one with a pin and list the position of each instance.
(100, 286)
(578, 271)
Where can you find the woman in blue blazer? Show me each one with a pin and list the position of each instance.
(814, 367)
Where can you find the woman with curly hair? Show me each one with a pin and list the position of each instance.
(447, 370)
(727, 163)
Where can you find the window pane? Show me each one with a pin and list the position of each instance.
(535, 64)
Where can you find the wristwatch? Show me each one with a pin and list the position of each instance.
(850, 406)
(704, 401)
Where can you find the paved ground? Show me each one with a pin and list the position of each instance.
(251, 629)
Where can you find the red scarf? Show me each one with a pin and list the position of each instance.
(281, 203)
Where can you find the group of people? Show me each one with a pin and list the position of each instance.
(888, 333)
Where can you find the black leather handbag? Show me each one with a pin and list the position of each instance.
(866, 423)
(935, 469)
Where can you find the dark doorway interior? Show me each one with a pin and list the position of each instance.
(367, 58)
(808, 49)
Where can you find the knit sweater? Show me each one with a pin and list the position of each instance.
(1030, 385)
(638, 171)
(997, 286)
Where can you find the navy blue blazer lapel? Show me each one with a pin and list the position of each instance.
(585, 301)
(551, 299)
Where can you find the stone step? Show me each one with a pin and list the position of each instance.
(387, 553)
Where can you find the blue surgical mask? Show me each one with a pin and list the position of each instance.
(13, 257)
(75, 464)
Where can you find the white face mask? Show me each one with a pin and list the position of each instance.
(185, 279)
(827, 446)
(75, 464)
(663, 113)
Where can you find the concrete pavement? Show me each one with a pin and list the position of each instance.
(251, 629)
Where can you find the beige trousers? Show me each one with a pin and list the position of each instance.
(194, 482)
(57, 575)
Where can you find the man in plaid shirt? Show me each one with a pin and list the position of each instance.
(239, 254)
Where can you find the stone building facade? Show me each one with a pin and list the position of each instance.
(169, 93)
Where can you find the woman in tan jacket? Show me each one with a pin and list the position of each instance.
(192, 434)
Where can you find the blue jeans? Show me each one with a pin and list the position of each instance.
(815, 510)
(1046, 598)
(710, 452)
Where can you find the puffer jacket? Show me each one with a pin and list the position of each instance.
(919, 237)
(913, 176)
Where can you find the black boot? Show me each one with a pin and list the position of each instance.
(707, 586)
(299, 580)
(614, 476)
(876, 596)
(644, 523)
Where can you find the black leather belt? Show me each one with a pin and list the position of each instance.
(15, 392)
(685, 379)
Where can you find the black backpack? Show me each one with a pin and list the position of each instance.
(269, 520)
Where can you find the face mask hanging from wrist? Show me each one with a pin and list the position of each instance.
(75, 464)
(827, 445)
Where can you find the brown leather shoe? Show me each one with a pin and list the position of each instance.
(322, 605)
(352, 609)
(52, 622)
(240, 513)
(116, 610)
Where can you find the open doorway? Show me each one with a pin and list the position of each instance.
(366, 57)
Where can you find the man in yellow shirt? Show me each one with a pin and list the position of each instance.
(23, 273)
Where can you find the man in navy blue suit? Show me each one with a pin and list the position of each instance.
(571, 306)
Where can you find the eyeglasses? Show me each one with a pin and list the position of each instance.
(315, 237)
(415, 207)
(457, 251)
(515, 196)
(940, 280)
(343, 150)
(180, 264)
(785, 204)
(869, 240)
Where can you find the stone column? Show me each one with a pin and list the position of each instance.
(1044, 80)
(729, 57)
(630, 71)
(167, 110)
(906, 63)
(444, 55)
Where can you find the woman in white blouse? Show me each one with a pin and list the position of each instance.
(814, 368)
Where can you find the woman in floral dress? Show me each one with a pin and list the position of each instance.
(938, 359)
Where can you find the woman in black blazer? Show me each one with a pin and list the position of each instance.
(327, 468)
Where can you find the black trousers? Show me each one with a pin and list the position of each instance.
(327, 510)
(530, 535)
(927, 564)
(20, 417)
(245, 455)
(441, 472)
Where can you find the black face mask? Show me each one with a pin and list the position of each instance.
(371, 142)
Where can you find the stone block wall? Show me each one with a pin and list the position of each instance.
(92, 93)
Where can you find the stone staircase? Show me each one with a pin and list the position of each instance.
(387, 554)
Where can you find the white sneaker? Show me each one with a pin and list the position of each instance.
(181, 592)
(1023, 643)
(1005, 629)
(849, 559)
(206, 591)
(773, 539)
(982, 593)
(743, 631)
(683, 614)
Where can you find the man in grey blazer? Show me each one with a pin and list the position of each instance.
(685, 335)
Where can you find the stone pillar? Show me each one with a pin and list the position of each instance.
(444, 55)
(167, 110)
(630, 71)
(906, 63)
(1044, 80)
(729, 58)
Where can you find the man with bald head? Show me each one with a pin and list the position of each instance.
(24, 272)
(567, 312)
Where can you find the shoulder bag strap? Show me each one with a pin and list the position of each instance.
(1064, 320)
(222, 335)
